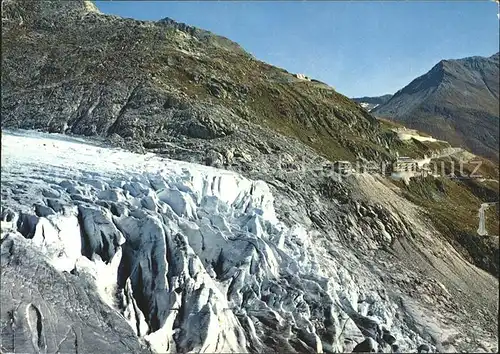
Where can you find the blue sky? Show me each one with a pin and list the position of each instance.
(359, 47)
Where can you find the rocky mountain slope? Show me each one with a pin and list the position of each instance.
(109, 250)
(369, 103)
(174, 82)
(457, 101)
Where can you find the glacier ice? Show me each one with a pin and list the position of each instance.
(192, 258)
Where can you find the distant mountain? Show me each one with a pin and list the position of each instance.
(370, 103)
(457, 101)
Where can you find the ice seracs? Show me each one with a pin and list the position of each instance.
(193, 258)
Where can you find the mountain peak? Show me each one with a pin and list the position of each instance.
(457, 101)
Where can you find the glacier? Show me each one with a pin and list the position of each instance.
(105, 249)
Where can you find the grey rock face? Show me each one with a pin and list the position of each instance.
(46, 311)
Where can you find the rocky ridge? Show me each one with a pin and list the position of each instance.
(457, 101)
